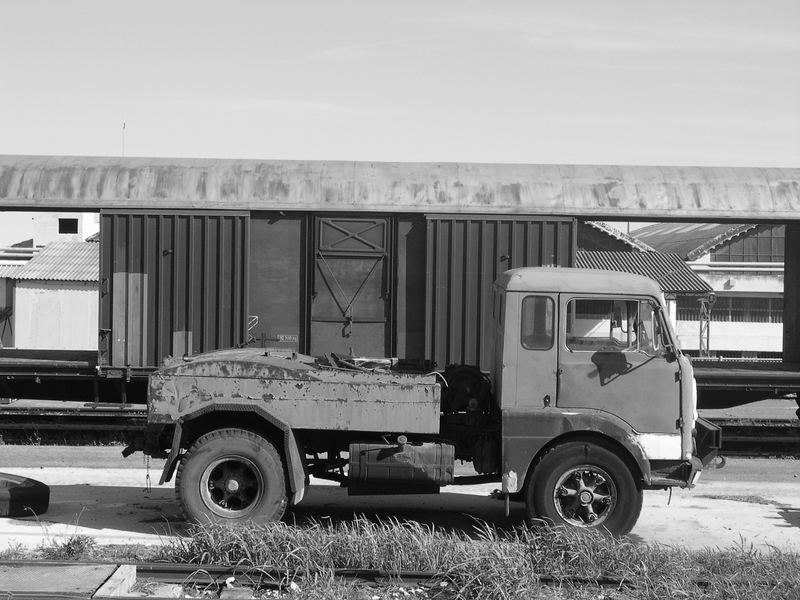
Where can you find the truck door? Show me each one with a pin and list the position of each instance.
(612, 358)
(536, 351)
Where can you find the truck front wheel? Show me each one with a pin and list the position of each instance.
(584, 485)
(232, 476)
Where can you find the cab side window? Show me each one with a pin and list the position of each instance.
(614, 325)
(538, 328)
(595, 325)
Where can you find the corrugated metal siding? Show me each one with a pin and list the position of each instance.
(171, 284)
(465, 256)
(689, 240)
(671, 273)
(9, 271)
(63, 261)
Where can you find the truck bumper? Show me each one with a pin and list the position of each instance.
(707, 441)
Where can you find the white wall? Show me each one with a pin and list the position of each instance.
(727, 336)
(742, 278)
(56, 315)
(739, 279)
(89, 224)
(45, 227)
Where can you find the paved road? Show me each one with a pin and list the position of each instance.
(752, 500)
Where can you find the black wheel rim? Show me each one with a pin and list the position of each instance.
(231, 486)
(585, 496)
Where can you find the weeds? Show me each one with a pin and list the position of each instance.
(487, 563)
(75, 547)
(496, 564)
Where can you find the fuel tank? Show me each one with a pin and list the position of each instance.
(414, 465)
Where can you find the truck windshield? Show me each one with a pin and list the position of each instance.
(614, 325)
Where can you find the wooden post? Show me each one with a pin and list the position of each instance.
(791, 294)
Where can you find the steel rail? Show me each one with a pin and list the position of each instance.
(265, 578)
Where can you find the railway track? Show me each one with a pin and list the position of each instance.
(759, 438)
(146, 580)
(65, 422)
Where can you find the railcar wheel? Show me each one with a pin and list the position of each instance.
(584, 485)
(232, 476)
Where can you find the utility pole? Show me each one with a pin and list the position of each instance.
(706, 304)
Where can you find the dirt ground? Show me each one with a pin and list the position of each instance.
(94, 491)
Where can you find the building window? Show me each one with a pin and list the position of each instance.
(734, 309)
(68, 226)
(763, 244)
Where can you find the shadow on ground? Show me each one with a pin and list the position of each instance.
(790, 515)
(156, 512)
(447, 512)
(121, 511)
(124, 509)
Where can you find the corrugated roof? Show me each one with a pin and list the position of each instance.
(672, 274)
(9, 271)
(64, 261)
(588, 191)
(623, 237)
(689, 240)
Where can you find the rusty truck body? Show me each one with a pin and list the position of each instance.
(588, 403)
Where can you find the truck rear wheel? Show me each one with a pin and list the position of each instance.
(232, 476)
(584, 485)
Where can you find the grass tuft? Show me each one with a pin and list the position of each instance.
(75, 547)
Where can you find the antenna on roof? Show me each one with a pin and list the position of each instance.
(123, 138)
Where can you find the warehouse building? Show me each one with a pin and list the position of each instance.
(743, 264)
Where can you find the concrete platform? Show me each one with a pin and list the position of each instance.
(55, 580)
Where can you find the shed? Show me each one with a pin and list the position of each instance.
(55, 303)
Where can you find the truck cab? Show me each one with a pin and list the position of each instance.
(597, 401)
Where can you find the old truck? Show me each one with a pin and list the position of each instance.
(589, 402)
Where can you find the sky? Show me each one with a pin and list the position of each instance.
(613, 82)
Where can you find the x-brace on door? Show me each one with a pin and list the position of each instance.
(351, 286)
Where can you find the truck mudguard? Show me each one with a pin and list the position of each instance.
(527, 432)
(294, 463)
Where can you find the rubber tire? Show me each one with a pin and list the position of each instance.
(539, 503)
(22, 497)
(232, 442)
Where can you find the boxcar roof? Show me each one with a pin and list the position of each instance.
(86, 183)
(580, 281)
